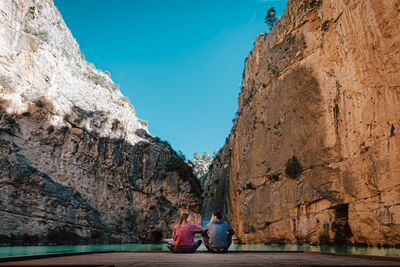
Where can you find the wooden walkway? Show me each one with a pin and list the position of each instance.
(231, 259)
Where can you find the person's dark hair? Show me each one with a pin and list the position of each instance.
(218, 215)
(183, 218)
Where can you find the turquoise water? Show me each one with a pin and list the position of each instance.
(39, 250)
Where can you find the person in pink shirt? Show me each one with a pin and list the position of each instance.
(184, 234)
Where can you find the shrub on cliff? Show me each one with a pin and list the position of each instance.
(100, 80)
(177, 163)
(293, 168)
(5, 82)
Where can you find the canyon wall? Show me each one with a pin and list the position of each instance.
(215, 186)
(314, 150)
(76, 164)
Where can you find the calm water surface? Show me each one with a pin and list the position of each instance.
(38, 250)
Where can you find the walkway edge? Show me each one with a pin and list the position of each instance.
(371, 257)
(55, 255)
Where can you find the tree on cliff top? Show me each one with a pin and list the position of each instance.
(197, 156)
(206, 156)
(271, 18)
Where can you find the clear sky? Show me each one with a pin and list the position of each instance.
(180, 62)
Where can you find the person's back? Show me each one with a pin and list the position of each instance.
(184, 235)
(218, 234)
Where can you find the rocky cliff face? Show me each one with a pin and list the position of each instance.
(315, 146)
(215, 186)
(200, 168)
(76, 163)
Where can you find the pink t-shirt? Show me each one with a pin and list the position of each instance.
(184, 236)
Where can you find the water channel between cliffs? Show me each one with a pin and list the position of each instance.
(11, 251)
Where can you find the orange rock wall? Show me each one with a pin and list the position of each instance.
(323, 86)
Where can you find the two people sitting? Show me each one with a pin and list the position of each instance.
(217, 235)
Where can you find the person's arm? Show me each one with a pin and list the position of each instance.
(196, 229)
(205, 230)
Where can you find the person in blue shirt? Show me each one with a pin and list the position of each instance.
(217, 235)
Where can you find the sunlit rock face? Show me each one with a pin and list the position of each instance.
(314, 151)
(200, 168)
(76, 163)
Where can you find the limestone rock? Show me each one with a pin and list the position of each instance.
(200, 168)
(76, 163)
(323, 90)
(216, 186)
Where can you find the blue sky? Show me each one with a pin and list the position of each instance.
(180, 62)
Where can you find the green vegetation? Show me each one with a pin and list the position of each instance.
(39, 103)
(100, 80)
(43, 36)
(206, 156)
(159, 140)
(215, 153)
(250, 186)
(270, 18)
(65, 53)
(325, 25)
(273, 177)
(273, 68)
(96, 78)
(178, 163)
(392, 130)
(293, 168)
(144, 123)
(5, 83)
(124, 99)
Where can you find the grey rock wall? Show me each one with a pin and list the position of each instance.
(77, 165)
(216, 186)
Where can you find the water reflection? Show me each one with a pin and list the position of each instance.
(37, 250)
